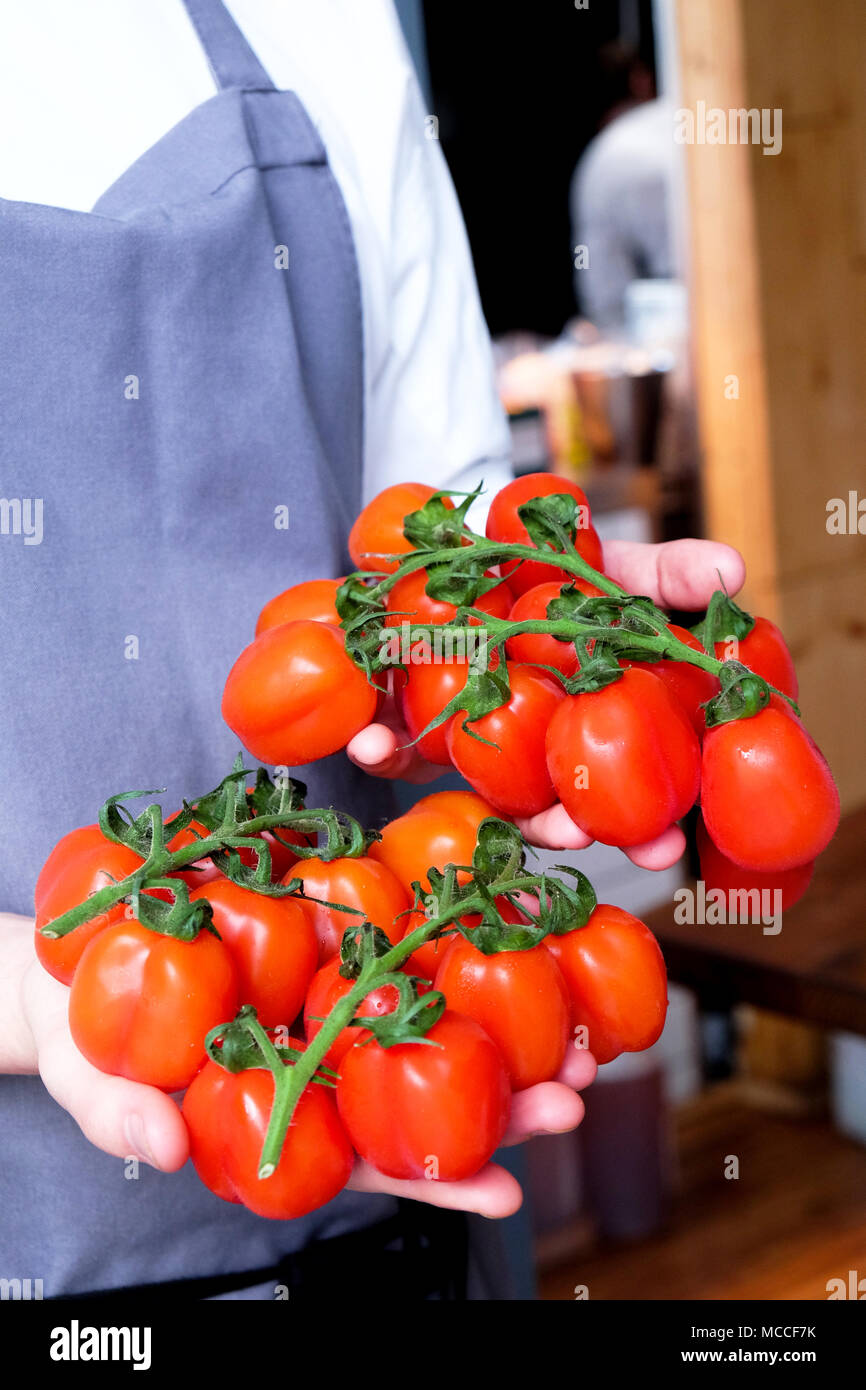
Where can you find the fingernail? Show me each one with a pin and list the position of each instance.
(136, 1136)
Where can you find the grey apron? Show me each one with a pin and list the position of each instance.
(176, 368)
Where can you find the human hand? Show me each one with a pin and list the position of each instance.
(125, 1118)
(676, 574)
(128, 1119)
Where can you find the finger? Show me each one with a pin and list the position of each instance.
(121, 1117)
(579, 1069)
(661, 853)
(549, 1108)
(492, 1192)
(553, 829)
(676, 574)
(381, 751)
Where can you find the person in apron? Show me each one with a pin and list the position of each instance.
(167, 389)
(180, 365)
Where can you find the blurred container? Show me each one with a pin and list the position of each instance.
(627, 1148)
(848, 1084)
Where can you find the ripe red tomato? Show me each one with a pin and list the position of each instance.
(465, 805)
(295, 695)
(79, 865)
(517, 998)
(328, 987)
(419, 841)
(416, 1111)
(616, 978)
(379, 528)
(765, 651)
(624, 760)
(141, 1003)
(314, 600)
(273, 945)
(513, 776)
(689, 684)
(768, 798)
(539, 647)
(720, 873)
(227, 1117)
(364, 883)
(409, 602)
(427, 692)
(504, 524)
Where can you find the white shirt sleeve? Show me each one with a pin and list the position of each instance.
(433, 410)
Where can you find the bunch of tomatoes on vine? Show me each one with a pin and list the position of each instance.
(319, 990)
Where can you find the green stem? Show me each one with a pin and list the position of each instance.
(162, 861)
(493, 553)
(344, 1011)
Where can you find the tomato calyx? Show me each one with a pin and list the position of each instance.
(359, 946)
(178, 917)
(743, 695)
(553, 521)
(499, 874)
(722, 621)
(438, 526)
(242, 1044)
(414, 1016)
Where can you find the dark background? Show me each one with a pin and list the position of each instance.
(519, 91)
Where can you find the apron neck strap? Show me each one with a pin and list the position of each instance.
(232, 61)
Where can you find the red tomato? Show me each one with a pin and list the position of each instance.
(465, 805)
(504, 524)
(689, 684)
(416, 1111)
(419, 841)
(79, 865)
(520, 1000)
(539, 647)
(616, 978)
(409, 602)
(379, 529)
(227, 1117)
(328, 987)
(720, 873)
(273, 945)
(513, 776)
(624, 760)
(142, 1003)
(764, 651)
(295, 695)
(427, 692)
(314, 600)
(363, 883)
(768, 798)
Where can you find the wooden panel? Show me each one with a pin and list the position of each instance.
(725, 294)
(778, 280)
